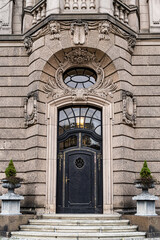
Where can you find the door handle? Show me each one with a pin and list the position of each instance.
(67, 179)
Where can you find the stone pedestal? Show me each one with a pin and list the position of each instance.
(11, 204)
(145, 204)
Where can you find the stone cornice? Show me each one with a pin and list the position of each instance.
(86, 17)
(69, 17)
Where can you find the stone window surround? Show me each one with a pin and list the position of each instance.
(51, 181)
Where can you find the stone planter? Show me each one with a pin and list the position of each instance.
(10, 200)
(145, 200)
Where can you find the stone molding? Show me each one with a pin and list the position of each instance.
(30, 109)
(56, 87)
(129, 108)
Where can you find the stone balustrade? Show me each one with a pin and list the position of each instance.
(79, 5)
(39, 12)
(122, 11)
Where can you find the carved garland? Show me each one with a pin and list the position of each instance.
(57, 88)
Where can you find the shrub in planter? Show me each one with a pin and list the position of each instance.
(11, 200)
(146, 180)
(11, 181)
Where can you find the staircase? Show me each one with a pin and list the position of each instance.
(78, 227)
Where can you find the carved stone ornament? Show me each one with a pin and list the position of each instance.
(131, 42)
(28, 43)
(54, 29)
(104, 29)
(103, 87)
(79, 30)
(129, 108)
(30, 109)
(80, 56)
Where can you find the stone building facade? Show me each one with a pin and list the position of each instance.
(41, 44)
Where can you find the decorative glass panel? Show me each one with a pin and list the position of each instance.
(88, 118)
(79, 78)
(87, 141)
(69, 142)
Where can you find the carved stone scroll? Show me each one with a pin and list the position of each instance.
(129, 108)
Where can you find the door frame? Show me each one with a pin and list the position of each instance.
(51, 162)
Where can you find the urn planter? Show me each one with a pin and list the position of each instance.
(145, 200)
(10, 200)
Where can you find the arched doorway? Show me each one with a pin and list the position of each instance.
(64, 92)
(79, 160)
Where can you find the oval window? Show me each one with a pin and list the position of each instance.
(80, 77)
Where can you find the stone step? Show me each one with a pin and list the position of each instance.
(80, 222)
(76, 236)
(78, 229)
(83, 216)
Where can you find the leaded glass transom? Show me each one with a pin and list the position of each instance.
(79, 78)
(88, 118)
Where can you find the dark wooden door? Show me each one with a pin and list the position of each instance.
(79, 182)
(79, 177)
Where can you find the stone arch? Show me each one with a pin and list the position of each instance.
(54, 102)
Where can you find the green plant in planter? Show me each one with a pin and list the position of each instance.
(145, 174)
(10, 173)
(10, 170)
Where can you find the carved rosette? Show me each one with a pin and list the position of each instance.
(30, 109)
(129, 108)
(80, 57)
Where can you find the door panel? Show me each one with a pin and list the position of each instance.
(80, 191)
(79, 188)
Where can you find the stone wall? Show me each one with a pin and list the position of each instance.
(146, 87)
(23, 76)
